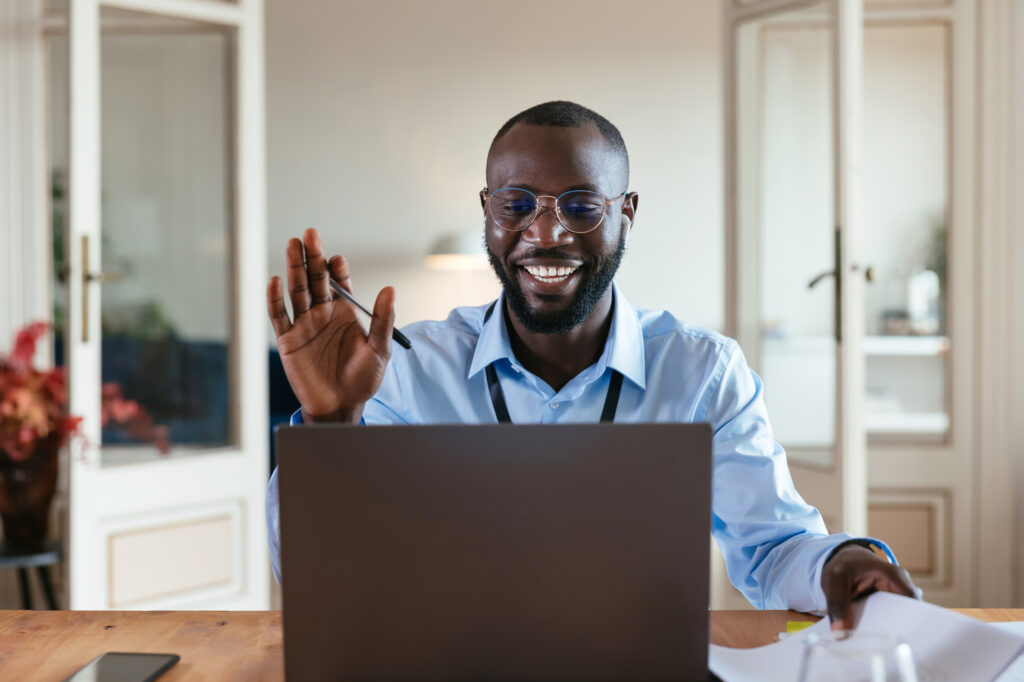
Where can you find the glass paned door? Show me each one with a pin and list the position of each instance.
(164, 227)
(792, 110)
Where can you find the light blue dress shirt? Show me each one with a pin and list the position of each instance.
(774, 543)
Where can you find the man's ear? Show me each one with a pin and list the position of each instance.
(629, 204)
(483, 199)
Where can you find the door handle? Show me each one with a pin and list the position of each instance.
(817, 278)
(88, 278)
(104, 277)
(869, 275)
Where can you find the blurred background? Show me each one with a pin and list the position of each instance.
(833, 183)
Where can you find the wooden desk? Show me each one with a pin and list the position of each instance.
(246, 645)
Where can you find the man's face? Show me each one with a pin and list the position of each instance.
(550, 160)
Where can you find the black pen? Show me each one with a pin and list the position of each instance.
(400, 338)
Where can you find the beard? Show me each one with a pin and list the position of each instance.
(594, 281)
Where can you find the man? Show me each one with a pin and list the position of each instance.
(562, 344)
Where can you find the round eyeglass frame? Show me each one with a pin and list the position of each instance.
(558, 213)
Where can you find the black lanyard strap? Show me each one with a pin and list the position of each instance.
(611, 401)
(497, 396)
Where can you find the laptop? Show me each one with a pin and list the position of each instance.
(513, 552)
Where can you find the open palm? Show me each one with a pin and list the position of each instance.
(332, 364)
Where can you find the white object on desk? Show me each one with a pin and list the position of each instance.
(1014, 673)
(947, 646)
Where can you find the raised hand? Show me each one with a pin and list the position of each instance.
(332, 364)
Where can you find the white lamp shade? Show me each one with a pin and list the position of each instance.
(458, 251)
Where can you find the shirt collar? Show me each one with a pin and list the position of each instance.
(625, 346)
(624, 349)
(493, 343)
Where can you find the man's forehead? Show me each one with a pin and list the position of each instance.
(556, 157)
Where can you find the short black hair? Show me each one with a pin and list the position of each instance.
(562, 114)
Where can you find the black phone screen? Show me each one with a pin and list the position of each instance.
(124, 667)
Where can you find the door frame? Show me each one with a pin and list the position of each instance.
(847, 476)
(998, 554)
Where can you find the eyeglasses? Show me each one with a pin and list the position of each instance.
(578, 210)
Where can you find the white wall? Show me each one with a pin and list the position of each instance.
(380, 114)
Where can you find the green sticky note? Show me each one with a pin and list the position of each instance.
(794, 626)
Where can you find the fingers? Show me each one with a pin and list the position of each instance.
(275, 307)
(907, 585)
(383, 322)
(298, 282)
(839, 597)
(316, 268)
(339, 272)
(900, 582)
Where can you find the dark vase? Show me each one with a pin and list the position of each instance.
(26, 491)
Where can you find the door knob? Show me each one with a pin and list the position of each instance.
(869, 272)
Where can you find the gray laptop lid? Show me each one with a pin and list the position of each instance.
(495, 551)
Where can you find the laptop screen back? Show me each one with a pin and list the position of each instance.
(495, 551)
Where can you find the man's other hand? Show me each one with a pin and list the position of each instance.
(854, 571)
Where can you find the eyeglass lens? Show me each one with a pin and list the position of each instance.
(516, 209)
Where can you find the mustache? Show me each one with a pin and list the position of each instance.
(554, 254)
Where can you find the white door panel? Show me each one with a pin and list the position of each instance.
(166, 191)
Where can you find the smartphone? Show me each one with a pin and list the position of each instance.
(124, 667)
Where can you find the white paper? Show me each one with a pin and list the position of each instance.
(1015, 673)
(947, 646)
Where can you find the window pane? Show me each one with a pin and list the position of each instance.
(166, 229)
(906, 162)
(786, 195)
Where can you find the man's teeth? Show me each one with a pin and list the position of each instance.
(549, 274)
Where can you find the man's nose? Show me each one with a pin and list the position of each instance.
(546, 231)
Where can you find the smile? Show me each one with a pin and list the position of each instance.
(549, 274)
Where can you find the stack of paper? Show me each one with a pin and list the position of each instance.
(947, 646)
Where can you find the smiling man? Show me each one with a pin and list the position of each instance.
(562, 344)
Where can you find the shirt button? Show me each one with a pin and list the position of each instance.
(554, 406)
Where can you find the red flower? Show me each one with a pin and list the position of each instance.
(25, 343)
(32, 404)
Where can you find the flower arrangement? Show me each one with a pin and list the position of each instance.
(32, 404)
(33, 427)
(31, 400)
